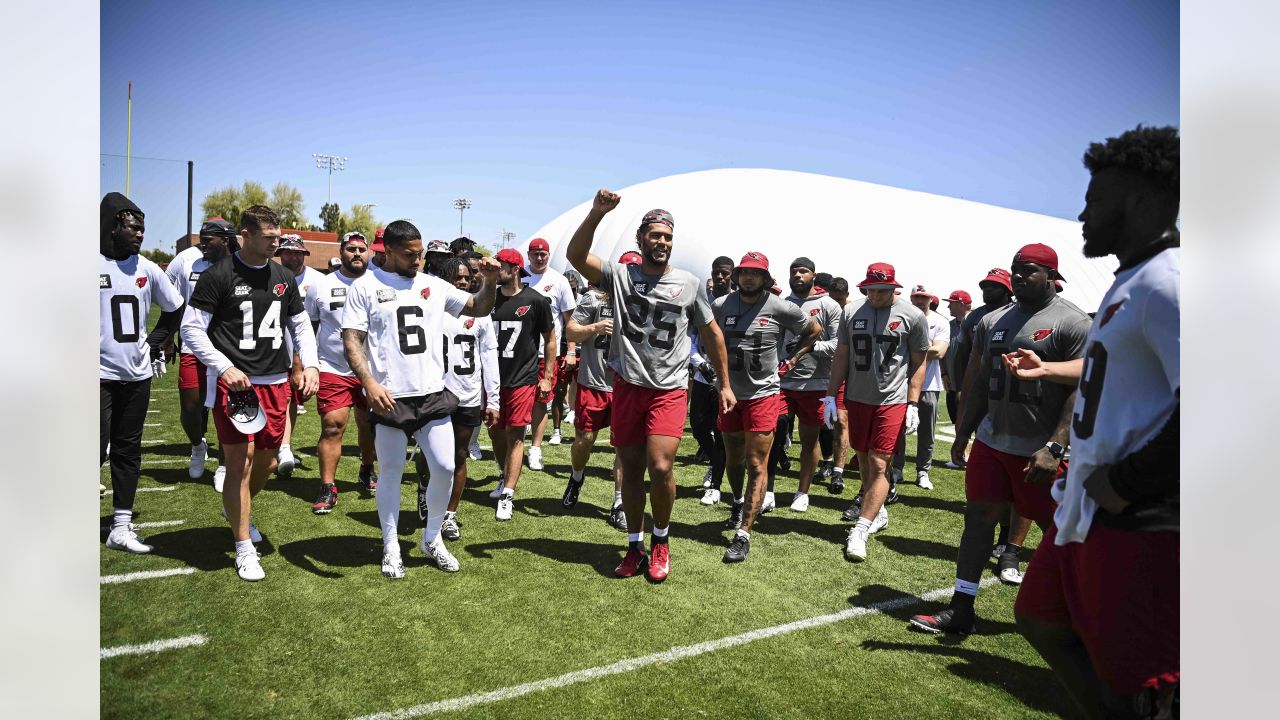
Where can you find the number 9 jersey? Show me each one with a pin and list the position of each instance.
(249, 307)
(652, 313)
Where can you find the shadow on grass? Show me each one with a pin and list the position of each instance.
(347, 551)
(601, 557)
(408, 523)
(931, 502)
(1036, 687)
(210, 548)
(917, 548)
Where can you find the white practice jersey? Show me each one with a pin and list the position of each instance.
(554, 286)
(324, 303)
(404, 320)
(307, 279)
(471, 360)
(939, 329)
(180, 267)
(126, 289)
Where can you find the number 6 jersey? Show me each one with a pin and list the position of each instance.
(651, 324)
(404, 319)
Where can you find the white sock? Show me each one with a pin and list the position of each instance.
(838, 471)
(285, 449)
(121, 518)
(435, 439)
(739, 500)
(509, 493)
(864, 524)
(635, 537)
(244, 547)
(577, 474)
(744, 534)
(966, 587)
(617, 498)
(660, 532)
(451, 513)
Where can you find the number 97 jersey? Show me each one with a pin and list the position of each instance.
(652, 314)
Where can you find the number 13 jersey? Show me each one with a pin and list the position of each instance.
(403, 319)
(651, 324)
(250, 307)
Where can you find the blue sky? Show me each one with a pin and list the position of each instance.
(527, 108)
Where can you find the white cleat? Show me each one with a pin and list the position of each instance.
(473, 451)
(923, 479)
(302, 409)
(219, 477)
(1011, 576)
(801, 503)
(102, 490)
(199, 458)
(568, 417)
(710, 496)
(249, 568)
(535, 458)
(440, 556)
(285, 461)
(770, 502)
(555, 437)
(880, 522)
(392, 566)
(123, 537)
(506, 504)
(855, 547)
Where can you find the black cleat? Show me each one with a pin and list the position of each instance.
(944, 621)
(854, 510)
(739, 546)
(618, 518)
(1007, 568)
(570, 497)
(327, 499)
(735, 516)
(368, 479)
(892, 497)
(837, 483)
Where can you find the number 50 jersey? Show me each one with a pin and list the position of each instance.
(652, 313)
(403, 318)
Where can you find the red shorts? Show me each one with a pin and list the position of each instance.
(758, 415)
(515, 406)
(1118, 591)
(643, 411)
(295, 395)
(875, 428)
(191, 372)
(591, 409)
(992, 476)
(840, 398)
(806, 404)
(564, 373)
(274, 400)
(339, 391)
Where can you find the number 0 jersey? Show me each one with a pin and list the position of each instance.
(324, 302)
(521, 320)
(752, 335)
(471, 360)
(403, 318)
(593, 355)
(652, 318)
(250, 307)
(125, 291)
(880, 342)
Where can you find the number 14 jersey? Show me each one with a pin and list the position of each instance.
(651, 324)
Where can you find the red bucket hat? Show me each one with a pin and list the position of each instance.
(999, 276)
(880, 274)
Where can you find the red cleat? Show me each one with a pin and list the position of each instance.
(660, 562)
(631, 564)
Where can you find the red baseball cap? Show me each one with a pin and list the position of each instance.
(539, 244)
(960, 296)
(879, 275)
(377, 245)
(999, 276)
(631, 257)
(919, 290)
(512, 256)
(1040, 254)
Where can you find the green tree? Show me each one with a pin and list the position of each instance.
(231, 201)
(156, 256)
(286, 200)
(360, 219)
(330, 216)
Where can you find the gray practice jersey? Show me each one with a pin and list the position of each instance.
(593, 355)
(652, 318)
(752, 336)
(814, 369)
(1021, 414)
(880, 342)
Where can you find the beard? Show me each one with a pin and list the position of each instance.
(352, 270)
(801, 288)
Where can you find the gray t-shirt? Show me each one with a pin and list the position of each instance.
(593, 368)
(652, 317)
(1021, 414)
(814, 369)
(880, 342)
(752, 336)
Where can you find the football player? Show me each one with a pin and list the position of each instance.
(553, 285)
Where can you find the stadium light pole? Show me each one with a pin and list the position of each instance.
(507, 236)
(330, 163)
(462, 204)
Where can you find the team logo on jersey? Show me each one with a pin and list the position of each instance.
(859, 324)
(1106, 314)
(675, 292)
(520, 311)
(997, 336)
(642, 287)
(194, 276)
(279, 289)
(240, 291)
(104, 282)
(894, 325)
(546, 288)
(337, 292)
(141, 282)
(764, 321)
(731, 321)
(814, 312)
(386, 295)
(1039, 335)
(426, 293)
(468, 323)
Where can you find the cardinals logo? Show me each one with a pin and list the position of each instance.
(764, 321)
(1039, 335)
(755, 255)
(426, 293)
(1109, 313)
(814, 312)
(142, 281)
(878, 274)
(894, 325)
(520, 311)
(469, 323)
(546, 288)
(919, 290)
(676, 293)
(278, 290)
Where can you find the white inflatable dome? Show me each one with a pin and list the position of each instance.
(842, 225)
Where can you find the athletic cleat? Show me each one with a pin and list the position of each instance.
(368, 479)
(255, 536)
(944, 621)
(997, 551)
(449, 529)
(439, 555)
(825, 471)
(1007, 567)
(570, 497)
(770, 502)
(784, 463)
(285, 461)
(473, 451)
(801, 503)
(219, 478)
(922, 478)
(569, 417)
(837, 483)
(102, 490)
(618, 518)
(854, 510)
(506, 504)
(710, 496)
(855, 546)
(249, 568)
(659, 562)
(706, 479)
(302, 409)
(535, 458)
(496, 493)
(392, 566)
(635, 560)
(735, 516)
(199, 457)
(892, 497)
(326, 500)
(880, 522)
(739, 546)
(123, 537)
(555, 438)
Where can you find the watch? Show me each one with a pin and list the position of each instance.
(1056, 450)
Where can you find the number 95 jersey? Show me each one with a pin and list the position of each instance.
(403, 318)
(652, 313)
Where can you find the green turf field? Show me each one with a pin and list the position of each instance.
(325, 635)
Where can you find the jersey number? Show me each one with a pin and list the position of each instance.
(412, 336)
(268, 328)
(1095, 371)
(117, 318)
(663, 336)
(864, 350)
(466, 354)
(1004, 386)
(744, 358)
(508, 333)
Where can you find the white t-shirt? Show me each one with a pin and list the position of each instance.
(1129, 386)
(181, 263)
(404, 319)
(554, 286)
(939, 329)
(471, 348)
(324, 303)
(125, 291)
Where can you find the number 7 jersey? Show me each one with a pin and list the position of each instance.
(652, 316)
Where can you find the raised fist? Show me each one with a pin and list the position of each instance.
(605, 201)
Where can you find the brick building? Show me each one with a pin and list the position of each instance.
(323, 245)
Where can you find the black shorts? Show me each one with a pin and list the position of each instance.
(411, 413)
(472, 416)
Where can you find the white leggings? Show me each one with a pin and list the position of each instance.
(435, 439)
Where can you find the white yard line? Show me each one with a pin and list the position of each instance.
(159, 489)
(152, 424)
(153, 647)
(666, 656)
(159, 524)
(149, 412)
(152, 442)
(144, 575)
(167, 461)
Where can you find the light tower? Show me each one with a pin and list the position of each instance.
(330, 163)
(462, 204)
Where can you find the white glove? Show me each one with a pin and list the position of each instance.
(913, 418)
(829, 412)
(158, 368)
